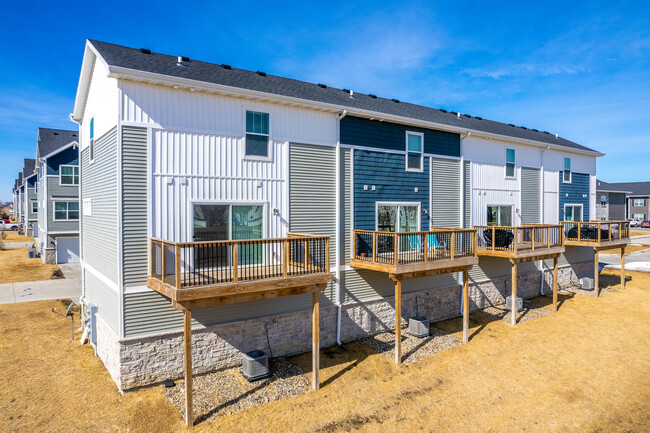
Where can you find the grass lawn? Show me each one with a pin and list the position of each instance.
(15, 267)
(584, 368)
(12, 236)
(639, 233)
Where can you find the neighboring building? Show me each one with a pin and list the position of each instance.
(172, 148)
(637, 200)
(610, 202)
(20, 195)
(57, 154)
(16, 198)
(29, 204)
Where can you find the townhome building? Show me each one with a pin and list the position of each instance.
(19, 197)
(611, 202)
(16, 200)
(198, 177)
(57, 201)
(29, 215)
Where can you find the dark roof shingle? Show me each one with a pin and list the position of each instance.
(636, 188)
(131, 58)
(50, 140)
(28, 167)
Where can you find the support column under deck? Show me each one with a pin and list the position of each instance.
(465, 306)
(555, 260)
(315, 360)
(622, 267)
(187, 340)
(398, 321)
(514, 312)
(596, 282)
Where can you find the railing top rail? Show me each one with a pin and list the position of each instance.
(432, 231)
(594, 222)
(240, 241)
(518, 227)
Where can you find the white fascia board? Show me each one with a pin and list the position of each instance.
(60, 149)
(136, 75)
(87, 66)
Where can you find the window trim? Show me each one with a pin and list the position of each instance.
(407, 151)
(564, 169)
(268, 136)
(34, 202)
(231, 203)
(603, 202)
(67, 210)
(634, 216)
(512, 213)
(514, 164)
(582, 211)
(638, 205)
(398, 203)
(73, 175)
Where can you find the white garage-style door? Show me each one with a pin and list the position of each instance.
(67, 249)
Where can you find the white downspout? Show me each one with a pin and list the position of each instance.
(462, 203)
(337, 259)
(542, 211)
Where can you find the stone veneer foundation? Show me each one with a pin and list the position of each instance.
(140, 361)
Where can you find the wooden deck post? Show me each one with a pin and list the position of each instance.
(187, 337)
(177, 266)
(596, 283)
(513, 311)
(163, 269)
(465, 306)
(285, 257)
(315, 340)
(622, 266)
(235, 262)
(398, 321)
(452, 250)
(555, 283)
(396, 261)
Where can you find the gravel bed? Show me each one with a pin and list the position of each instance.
(528, 313)
(604, 291)
(413, 348)
(227, 391)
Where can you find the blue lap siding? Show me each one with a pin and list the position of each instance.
(357, 131)
(386, 171)
(70, 156)
(576, 192)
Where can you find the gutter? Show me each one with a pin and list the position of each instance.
(337, 260)
(132, 74)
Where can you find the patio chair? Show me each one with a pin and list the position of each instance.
(503, 238)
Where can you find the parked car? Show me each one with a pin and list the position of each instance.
(633, 222)
(645, 224)
(6, 225)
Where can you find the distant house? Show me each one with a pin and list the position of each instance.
(57, 209)
(610, 202)
(29, 210)
(638, 199)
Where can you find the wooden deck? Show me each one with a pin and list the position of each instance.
(602, 235)
(522, 244)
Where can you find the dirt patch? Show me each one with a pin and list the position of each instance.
(15, 267)
(227, 391)
(584, 368)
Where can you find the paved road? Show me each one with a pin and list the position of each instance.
(637, 261)
(68, 287)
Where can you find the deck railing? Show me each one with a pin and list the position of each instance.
(596, 231)
(413, 247)
(192, 264)
(516, 239)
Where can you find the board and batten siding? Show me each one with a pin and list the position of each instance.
(99, 184)
(551, 194)
(530, 195)
(445, 192)
(134, 205)
(57, 192)
(467, 184)
(490, 187)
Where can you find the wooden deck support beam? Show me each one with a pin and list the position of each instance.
(622, 266)
(187, 339)
(514, 311)
(555, 260)
(465, 306)
(596, 283)
(315, 339)
(398, 321)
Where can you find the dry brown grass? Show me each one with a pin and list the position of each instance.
(15, 267)
(12, 236)
(639, 233)
(584, 368)
(628, 249)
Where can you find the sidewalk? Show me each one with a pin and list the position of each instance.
(68, 287)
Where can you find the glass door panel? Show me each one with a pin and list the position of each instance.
(210, 224)
(248, 223)
(387, 218)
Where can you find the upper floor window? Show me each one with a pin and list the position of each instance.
(639, 202)
(92, 128)
(510, 162)
(414, 151)
(257, 134)
(69, 175)
(91, 147)
(66, 210)
(566, 175)
(603, 200)
(34, 207)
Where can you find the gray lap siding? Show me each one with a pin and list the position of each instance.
(57, 192)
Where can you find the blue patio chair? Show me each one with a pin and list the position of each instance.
(434, 245)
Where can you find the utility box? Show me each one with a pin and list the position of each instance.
(419, 327)
(31, 253)
(520, 303)
(255, 365)
(587, 283)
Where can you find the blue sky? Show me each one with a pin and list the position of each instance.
(579, 69)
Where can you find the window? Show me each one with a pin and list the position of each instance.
(510, 162)
(603, 200)
(639, 202)
(92, 128)
(498, 215)
(34, 207)
(91, 149)
(66, 210)
(217, 222)
(573, 212)
(414, 151)
(69, 175)
(566, 175)
(257, 134)
(400, 217)
(639, 216)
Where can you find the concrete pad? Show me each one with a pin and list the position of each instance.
(26, 291)
(636, 266)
